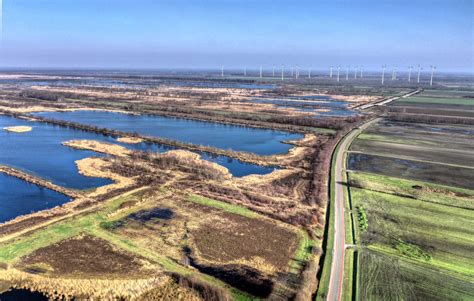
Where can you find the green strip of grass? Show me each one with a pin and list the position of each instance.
(326, 273)
(11, 251)
(303, 252)
(348, 275)
(235, 209)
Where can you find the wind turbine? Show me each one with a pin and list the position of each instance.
(383, 72)
(338, 69)
(395, 73)
(309, 73)
(260, 71)
(347, 72)
(282, 72)
(361, 68)
(419, 71)
(330, 72)
(292, 71)
(355, 72)
(245, 71)
(222, 71)
(273, 71)
(409, 73)
(433, 68)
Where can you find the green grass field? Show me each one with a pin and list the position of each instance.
(440, 100)
(446, 93)
(429, 192)
(415, 248)
(420, 235)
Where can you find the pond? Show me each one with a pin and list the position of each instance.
(320, 104)
(18, 197)
(22, 294)
(224, 136)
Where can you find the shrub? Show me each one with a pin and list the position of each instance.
(362, 216)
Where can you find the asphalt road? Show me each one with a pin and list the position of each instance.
(337, 266)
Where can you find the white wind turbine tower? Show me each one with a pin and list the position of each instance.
(347, 72)
(361, 68)
(409, 73)
(245, 71)
(338, 70)
(297, 72)
(292, 71)
(282, 72)
(273, 71)
(355, 72)
(395, 73)
(222, 71)
(433, 68)
(309, 73)
(419, 71)
(330, 72)
(261, 71)
(383, 72)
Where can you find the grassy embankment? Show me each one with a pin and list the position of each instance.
(326, 267)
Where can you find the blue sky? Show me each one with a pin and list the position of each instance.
(200, 33)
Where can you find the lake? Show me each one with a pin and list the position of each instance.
(18, 197)
(225, 136)
(41, 152)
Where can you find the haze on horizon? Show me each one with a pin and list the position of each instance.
(237, 34)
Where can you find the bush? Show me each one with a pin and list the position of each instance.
(411, 251)
(362, 216)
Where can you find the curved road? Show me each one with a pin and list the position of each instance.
(337, 265)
